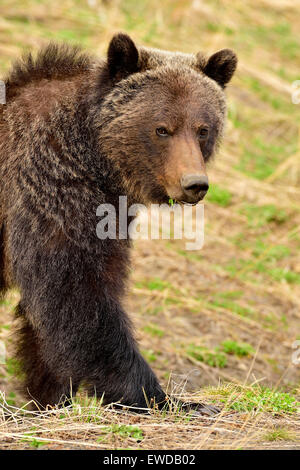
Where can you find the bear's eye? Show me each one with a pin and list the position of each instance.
(162, 132)
(203, 133)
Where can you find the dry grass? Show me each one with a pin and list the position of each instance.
(244, 285)
(88, 426)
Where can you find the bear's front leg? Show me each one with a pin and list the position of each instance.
(57, 355)
(88, 340)
(77, 331)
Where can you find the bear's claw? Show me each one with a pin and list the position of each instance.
(200, 409)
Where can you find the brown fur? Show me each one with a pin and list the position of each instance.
(77, 132)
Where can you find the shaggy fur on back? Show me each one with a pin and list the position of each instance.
(54, 61)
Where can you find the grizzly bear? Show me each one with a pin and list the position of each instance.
(77, 132)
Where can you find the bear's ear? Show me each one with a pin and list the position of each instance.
(122, 57)
(221, 66)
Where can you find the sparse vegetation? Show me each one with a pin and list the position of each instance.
(213, 358)
(255, 398)
(219, 195)
(239, 349)
(279, 434)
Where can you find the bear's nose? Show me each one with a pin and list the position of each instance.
(194, 187)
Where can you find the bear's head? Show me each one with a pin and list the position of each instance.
(163, 118)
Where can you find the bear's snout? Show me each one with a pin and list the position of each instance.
(194, 187)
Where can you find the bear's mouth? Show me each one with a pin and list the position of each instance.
(173, 201)
(184, 203)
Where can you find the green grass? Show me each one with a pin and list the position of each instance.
(267, 95)
(267, 400)
(189, 255)
(258, 216)
(10, 399)
(284, 275)
(213, 358)
(33, 441)
(270, 253)
(231, 294)
(8, 304)
(36, 444)
(238, 120)
(150, 355)
(248, 269)
(172, 301)
(238, 349)
(279, 33)
(153, 311)
(154, 330)
(232, 306)
(153, 284)
(220, 196)
(279, 434)
(13, 367)
(259, 399)
(259, 159)
(123, 430)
